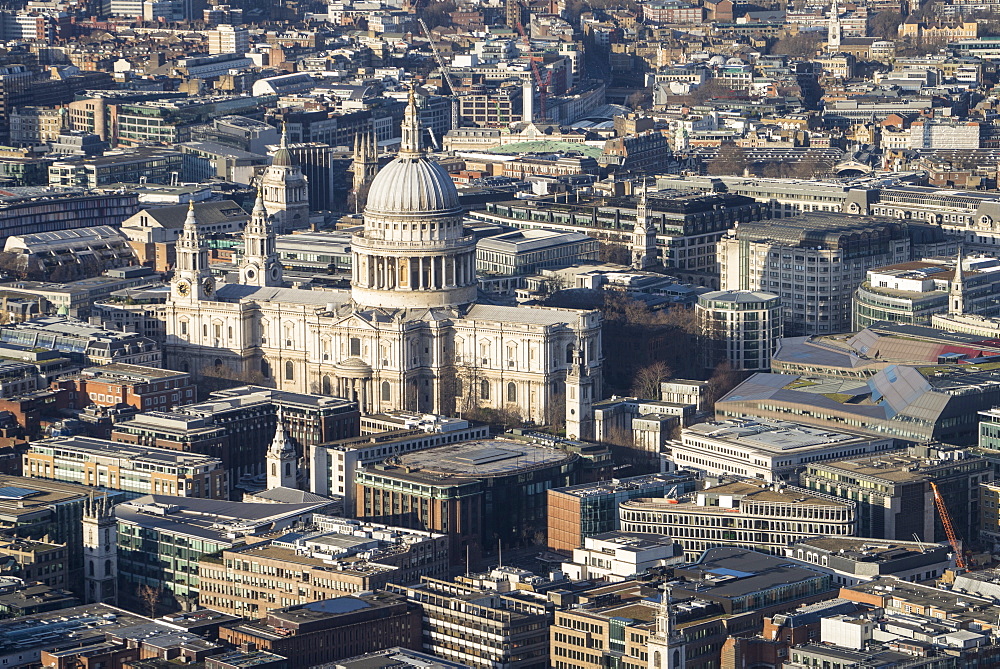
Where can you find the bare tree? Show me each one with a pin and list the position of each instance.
(150, 598)
(646, 382)
(723, 379)
(730, 159)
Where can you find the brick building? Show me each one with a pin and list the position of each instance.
(332, 629)
(145, 388)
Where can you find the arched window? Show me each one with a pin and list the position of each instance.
(386, 392)
(288, 469)
(677, 658)
(218, 362)
(91, 567)
(569, 354)
(656, 659)
(511, 392)
(326, 385)
(265, 368)
(289, 371)
(458, 387)
(355, 346)
(484, 390)
(107, 567)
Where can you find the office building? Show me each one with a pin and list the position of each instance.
(686, 235)
(768, 450)
(38, 561)
(617, 556)
(138, 165)
(444, 489)
(913, 404)
(523, 252)
(893, 495)
(692, 614)
(914, 292)
(332, 629)
(333, 466)
(590, 509)
(853, 560)
(739, 327)
(337, 557)
(145, 388)
(248, 416)
(162, 538)
(134, 470)
(816, 261)
(27, 638)
(70, 253)
(397, 657)
(65, 209)
(455, 613)
(81, 342)
(741, 513)
(323, 252)
(228, 39)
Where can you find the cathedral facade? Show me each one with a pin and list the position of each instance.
(408, 335)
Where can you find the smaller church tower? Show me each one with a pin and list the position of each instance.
(643, 236)
(956, 295)
(834, 29)
(364, 168)
(579, 399)
(100, 552)
(260, 266)
(286, 191)
(192, 277)
(282, 460)
(665, 644)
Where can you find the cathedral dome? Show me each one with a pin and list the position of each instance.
(283, 158)
(412, 185)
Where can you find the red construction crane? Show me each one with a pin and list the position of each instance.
(949, 529)
(543, 87)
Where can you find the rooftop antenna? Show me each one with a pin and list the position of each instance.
(500, 552)
(466, 560)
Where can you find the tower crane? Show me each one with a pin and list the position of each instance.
(949, 528)
(446, 75)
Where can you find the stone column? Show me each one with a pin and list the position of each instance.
(433, 260)
(420, 273)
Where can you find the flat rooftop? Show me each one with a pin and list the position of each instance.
(484, 458)
(891, 466)
(128, 454)
(772, 435)
(614, 486)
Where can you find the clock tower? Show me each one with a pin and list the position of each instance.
(260, 265)
(192, 277)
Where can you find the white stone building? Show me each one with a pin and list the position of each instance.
(408, 335)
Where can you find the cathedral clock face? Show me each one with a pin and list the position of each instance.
(251, 272)
(208, 285)
(183, 289)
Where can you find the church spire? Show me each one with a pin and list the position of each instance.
(282, 459)
(411, 129)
